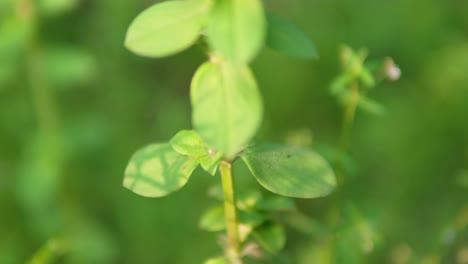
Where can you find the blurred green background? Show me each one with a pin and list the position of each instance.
(74, 106)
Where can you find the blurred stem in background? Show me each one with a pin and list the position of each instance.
(47, 117)
(49, 252)
(349, 115)
(233, 245)
(47, 121)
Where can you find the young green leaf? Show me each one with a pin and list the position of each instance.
(271, 237)
(340, 84)
(210, 162)
(213, 220)
(289, 170)
(188, 142)
(236, 29)
(283, 36)
(167, 28)
(157, 170)
(367, 78)
(248, 200)
(227, 107)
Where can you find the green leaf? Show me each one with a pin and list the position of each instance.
(251, 218)
(213, 220)
(283, 36)
(227, 107)
(248, 200)
(340, 84)
(271, 237)
(167, 28)
(157, 170)
(371, 106)
(289, 170)
(367, 78)
(216, 192)
(236, 29)
(188, 142)
(276, 204)
(216, 260)
(210, 162)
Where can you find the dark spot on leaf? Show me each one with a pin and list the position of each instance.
(289, 156)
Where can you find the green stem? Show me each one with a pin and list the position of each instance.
(348, 117)
(233, 245)
(42, 94)
(348, 121)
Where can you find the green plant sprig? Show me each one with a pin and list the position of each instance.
(351, 87)
(227, 106)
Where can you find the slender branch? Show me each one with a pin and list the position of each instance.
(43, 97)
(233, 245)
(348, 117)
(346, 131)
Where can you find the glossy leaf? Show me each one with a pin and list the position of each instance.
(271, 237)
(213, 220)
(236, 29)
(157, 170)
(227, 107)
(188, 142)
(283, 36)
(167, 28)
(289, 170)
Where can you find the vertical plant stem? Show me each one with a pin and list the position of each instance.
(230, 212)
(346, 131)
(348, 117)
(42, 94)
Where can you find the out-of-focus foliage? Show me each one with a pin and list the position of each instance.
(60, 192)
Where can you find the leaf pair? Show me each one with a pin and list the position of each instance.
(170, 27)
(189, 143)
(236, 30)
(160, 169)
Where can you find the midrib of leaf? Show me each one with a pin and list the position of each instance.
(226, 118)
(168, 23)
